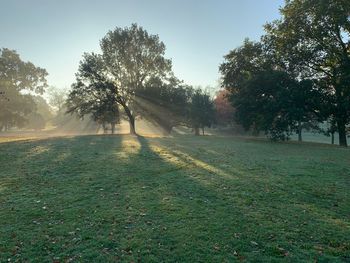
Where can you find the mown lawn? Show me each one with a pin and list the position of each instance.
(182, 199)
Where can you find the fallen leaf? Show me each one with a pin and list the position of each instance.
(254, 243)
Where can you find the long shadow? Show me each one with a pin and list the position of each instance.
(257, 206)
(152, 204)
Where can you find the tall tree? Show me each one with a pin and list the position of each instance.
(131, 57)
(313, 39)
(265, 96)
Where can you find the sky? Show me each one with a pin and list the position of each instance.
(53, 34)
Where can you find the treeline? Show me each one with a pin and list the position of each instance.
(298, 75)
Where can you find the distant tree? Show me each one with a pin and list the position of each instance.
(43, 108)
(17, 76)
(15, 110)
(57, 98)
(106, 112)
(223, 108)
(36, 121)
(92, 94)
(38, 118)
(201, 111)
(331, 128)
(312, 40)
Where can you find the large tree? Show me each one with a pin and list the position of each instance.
(17, 76)
(312, 39)
(265, 95)
(130, 57)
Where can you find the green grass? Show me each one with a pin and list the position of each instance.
(182, 199)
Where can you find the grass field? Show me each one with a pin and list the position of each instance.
(181, 199)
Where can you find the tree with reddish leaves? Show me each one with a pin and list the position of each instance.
(224, 109)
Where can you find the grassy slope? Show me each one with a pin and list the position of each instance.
(209, 199)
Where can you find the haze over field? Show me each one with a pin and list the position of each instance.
(175, 131)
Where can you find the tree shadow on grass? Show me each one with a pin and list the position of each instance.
(157, 202)
(276, 199)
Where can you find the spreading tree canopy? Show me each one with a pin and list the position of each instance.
(265, 96)
(17, 76)
(312, 39)
(130, 58)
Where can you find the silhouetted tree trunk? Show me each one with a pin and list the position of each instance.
(104, 127)
(342, 133)
(203, 130)
(332, 136)
(300, 129)
(196, 131)
(130, 117)
(113, 128)
(132, 125)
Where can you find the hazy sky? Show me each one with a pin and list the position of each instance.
(53, 34)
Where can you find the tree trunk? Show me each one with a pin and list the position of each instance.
(113, 128)
(203, 131)
(342, 133)
(104, 127)
(300, 129)
(130, 116)
(132, 125)
(196, 131)
(332, 135)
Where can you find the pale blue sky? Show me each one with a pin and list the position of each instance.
(53, 34)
